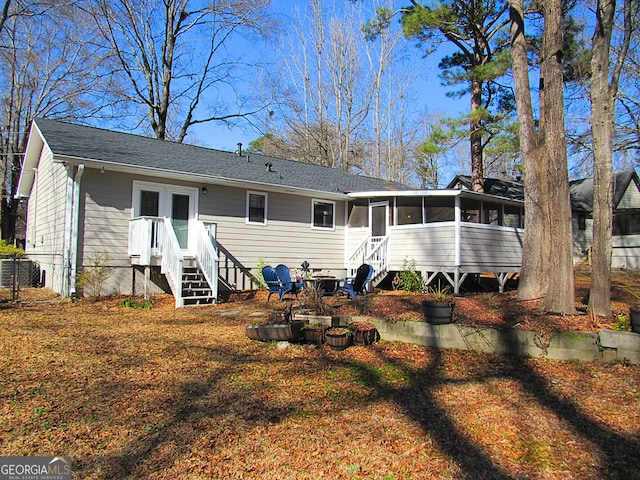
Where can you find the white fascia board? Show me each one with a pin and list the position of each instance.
(435, 193)
(30, 162)
(197, 178)
(406, 193)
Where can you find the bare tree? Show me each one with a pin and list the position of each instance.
(177, 59)
(327, 89)
(342, 103)
(627, 127)
(604, 86)
(49, 67)
(547, 264)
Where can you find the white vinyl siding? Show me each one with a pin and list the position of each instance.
(631, 198)
(430, 245)
(490, 248)
(287, 239)
(46, 219)
(626, 252)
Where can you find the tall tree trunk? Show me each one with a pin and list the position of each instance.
(547, 263)
(560, 292)
(602, 104)
(475, 126)
(532, 282)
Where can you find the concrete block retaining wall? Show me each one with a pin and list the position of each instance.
(603, 346)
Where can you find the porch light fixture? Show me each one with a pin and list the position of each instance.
(204, 190)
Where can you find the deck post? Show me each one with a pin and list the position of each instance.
(147, 279)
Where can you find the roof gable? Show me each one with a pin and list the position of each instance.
(493, 186)
(126, 150)
(581, 190)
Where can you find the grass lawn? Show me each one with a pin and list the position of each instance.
(184, 394)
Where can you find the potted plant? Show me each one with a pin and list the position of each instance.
(634, 310)
(338, 338)
(364, 333)
(438, 309)
(313, 308)
(282, 327)
(314, 333)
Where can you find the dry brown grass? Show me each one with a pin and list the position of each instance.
(183, 394)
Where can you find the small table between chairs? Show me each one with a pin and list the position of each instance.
(327, 284)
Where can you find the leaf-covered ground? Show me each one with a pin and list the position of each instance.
(184, 394)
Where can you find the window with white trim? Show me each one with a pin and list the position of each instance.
(323, 215)
(256, 208)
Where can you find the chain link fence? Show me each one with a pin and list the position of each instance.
(18, 273)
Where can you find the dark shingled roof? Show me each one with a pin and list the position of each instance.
(126, 149)
(581, 190)
(493, 186)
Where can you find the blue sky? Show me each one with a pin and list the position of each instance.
(431, 95)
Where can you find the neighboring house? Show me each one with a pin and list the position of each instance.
(626, 213)
(626, 219)
(196, 221)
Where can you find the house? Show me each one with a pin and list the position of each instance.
(626, 213)
(195, 221)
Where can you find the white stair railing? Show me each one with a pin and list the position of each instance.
(206, 255)
(373, 251)
(378, 257)
(358, 257)
(171, 258)
(143, 238)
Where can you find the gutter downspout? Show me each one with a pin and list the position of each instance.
(71, 231)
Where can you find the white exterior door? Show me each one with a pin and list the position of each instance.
(379, 219)
(170, 201)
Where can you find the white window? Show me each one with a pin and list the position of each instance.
(322, 213)
(256, 208)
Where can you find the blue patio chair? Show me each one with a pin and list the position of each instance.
(271, 279)
(355, 285)
(287, 284)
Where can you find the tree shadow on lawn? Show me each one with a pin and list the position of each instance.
(192, 414)
(418, 401)
(195, 405)
(617, 452)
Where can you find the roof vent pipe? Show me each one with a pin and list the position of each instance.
(239, 151)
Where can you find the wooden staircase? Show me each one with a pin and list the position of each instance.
(195, 289)
(373, 251)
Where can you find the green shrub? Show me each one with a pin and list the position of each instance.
(410, 278)
(8, 249)
(135, 303)
(93, 277)
(261, 264)
(622, 324)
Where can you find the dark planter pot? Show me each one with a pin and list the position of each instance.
(337, 338)
(290, 332)
(437, 313)
(364, 333)
(314, 334)
(634, 316)
(253, 332)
